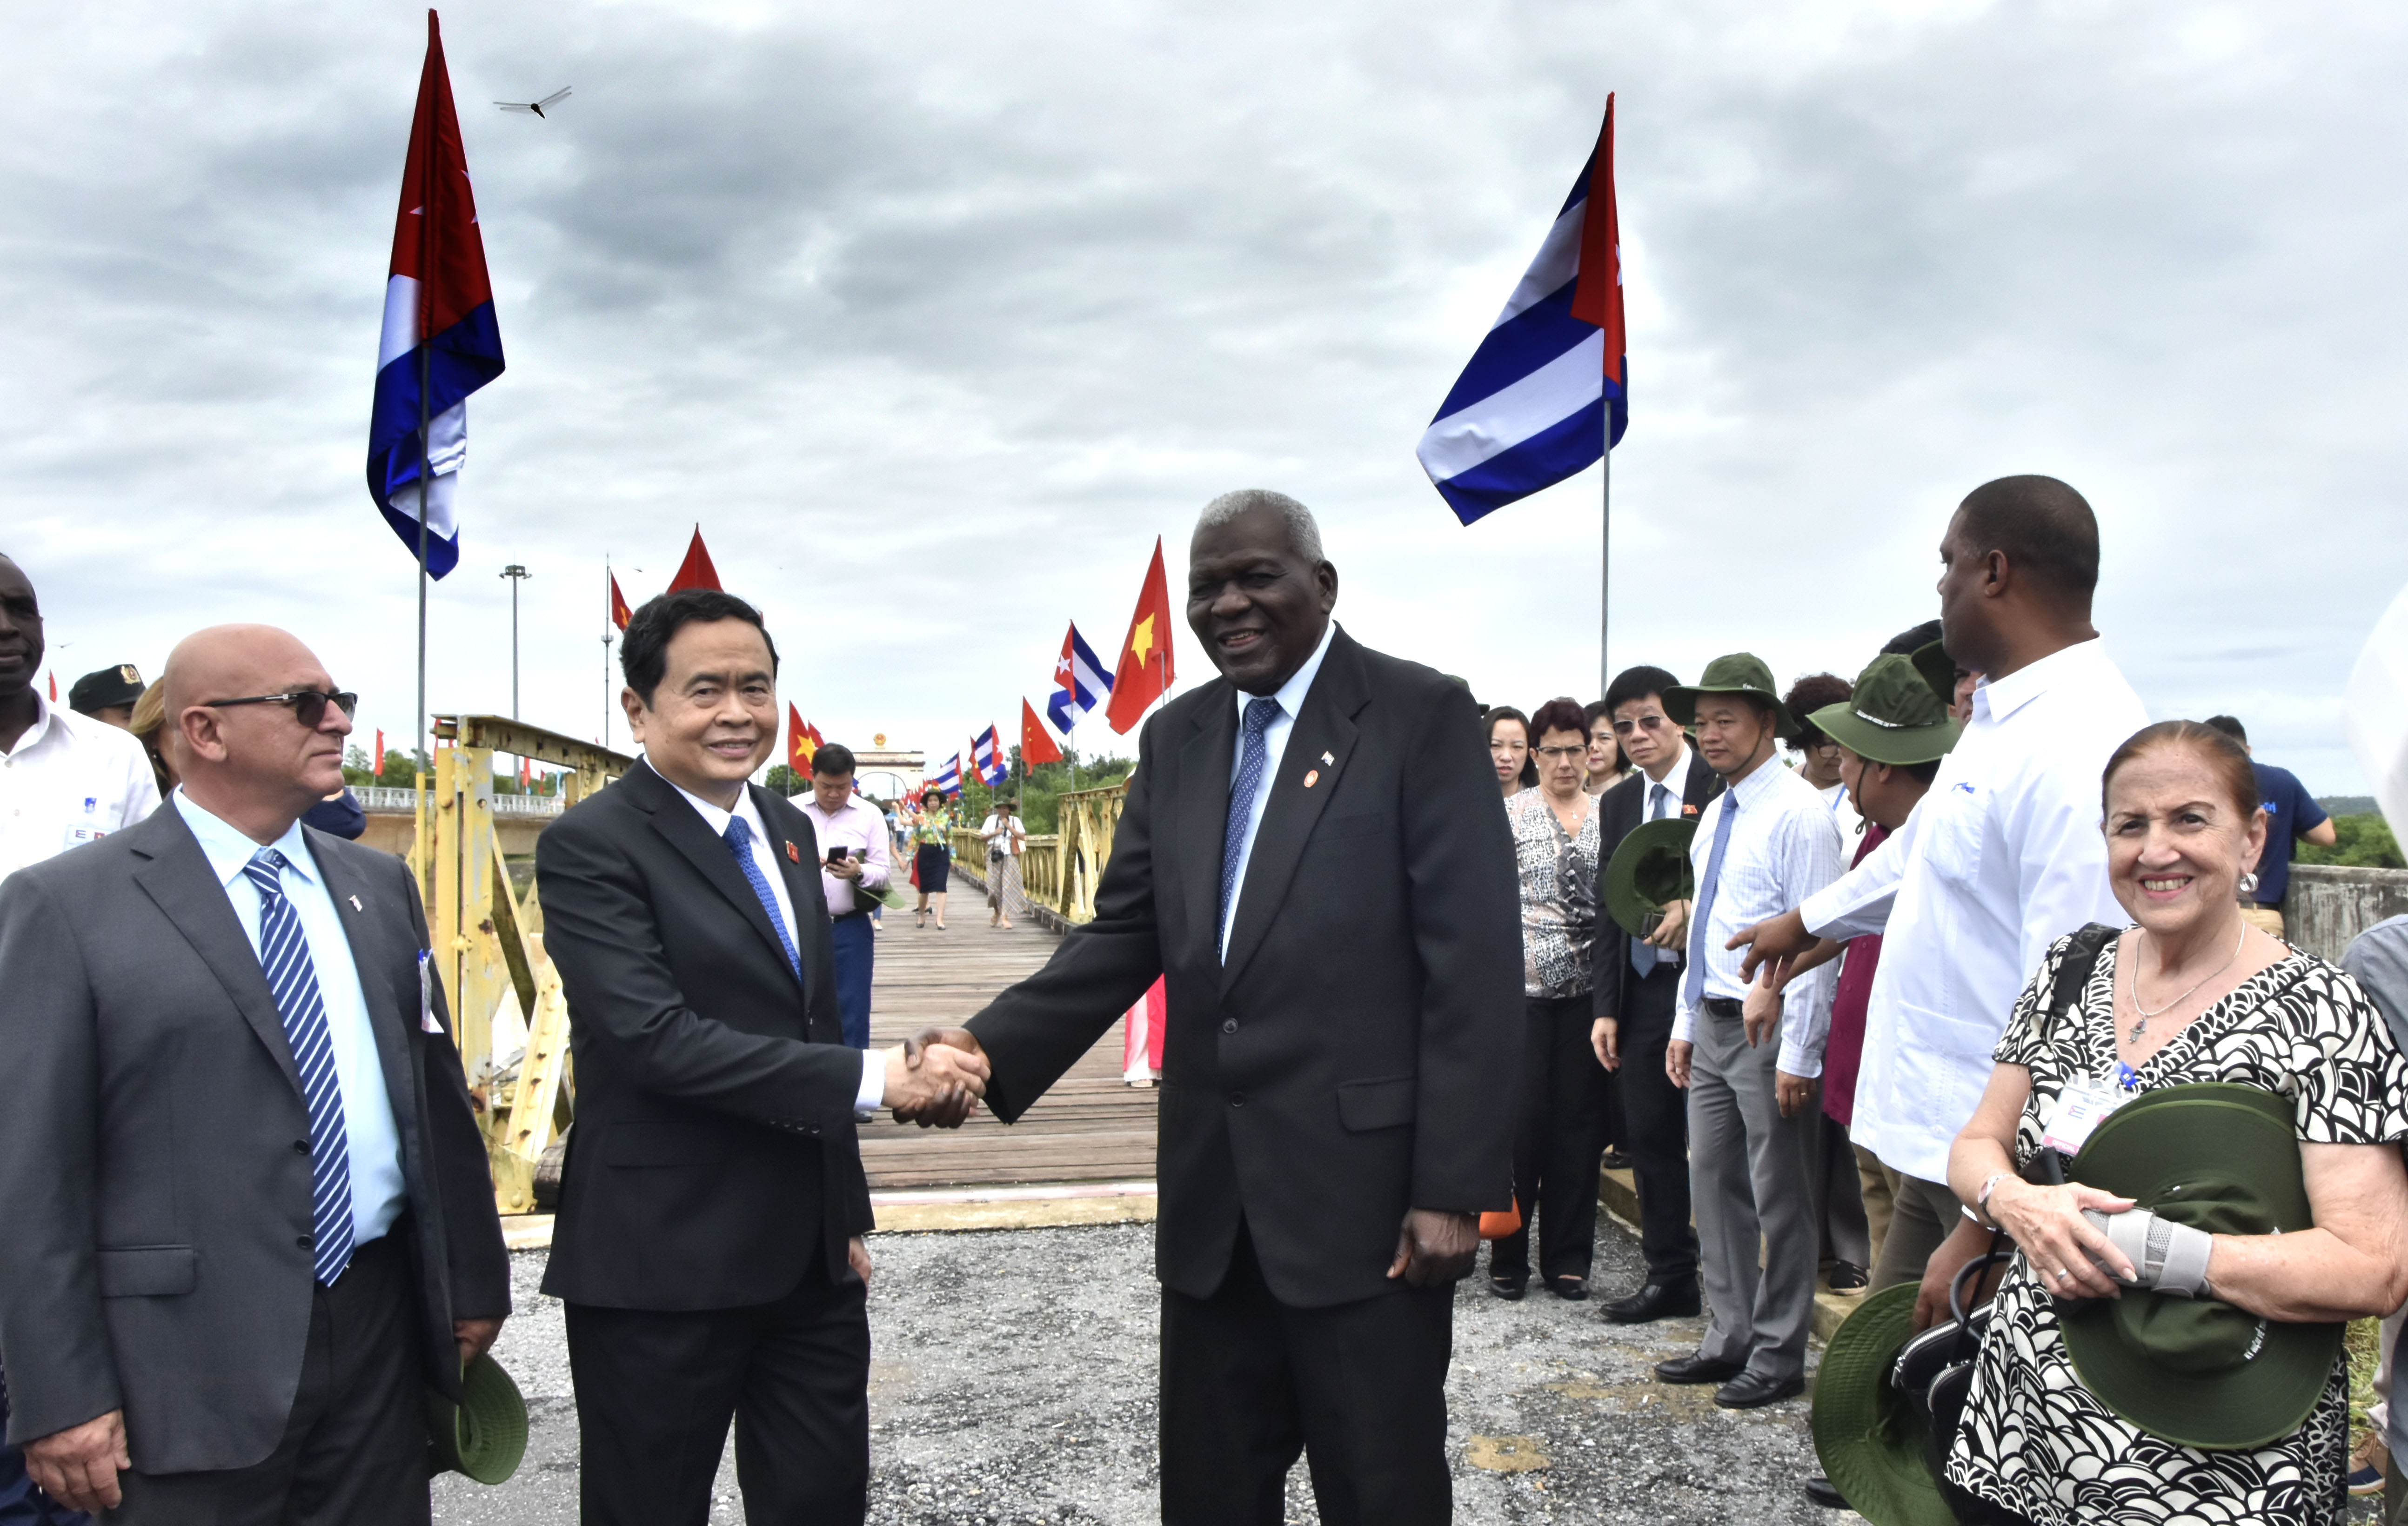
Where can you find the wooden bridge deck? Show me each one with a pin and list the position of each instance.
(1092, 1127)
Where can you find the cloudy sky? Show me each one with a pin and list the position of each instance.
(935, 316)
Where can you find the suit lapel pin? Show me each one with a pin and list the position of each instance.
(1329, 761)
(794, 854)
(1312, 777)
(1688, 809)
(356, 903)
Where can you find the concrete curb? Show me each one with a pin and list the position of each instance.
(945, 1209)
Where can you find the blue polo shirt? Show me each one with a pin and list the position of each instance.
(2290, 810)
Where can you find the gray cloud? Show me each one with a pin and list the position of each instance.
(934, 318)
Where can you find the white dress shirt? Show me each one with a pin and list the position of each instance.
(1843, 815)
(2000, 859)
(1783, 848)
(860, 826)
(378, 1192)
(70, 779)
(716, 817)
(1290, 696)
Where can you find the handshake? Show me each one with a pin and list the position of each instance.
(936, 1077)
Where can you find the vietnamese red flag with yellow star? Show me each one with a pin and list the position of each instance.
(1036, 744)
(800, 741)
(1143, 674)
(620, 614)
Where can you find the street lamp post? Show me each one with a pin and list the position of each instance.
(517, 575)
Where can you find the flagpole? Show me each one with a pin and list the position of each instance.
(425, 304)
(1605, 554)
(609, 618)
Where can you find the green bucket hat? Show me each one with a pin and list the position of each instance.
(485, 1436)
(1892, 717)
(1648, 872)
(2200, 1371)
(1742, 672)
(1938, 670)
(1867, 1433)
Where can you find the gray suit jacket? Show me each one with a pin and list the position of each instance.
(154, 1157)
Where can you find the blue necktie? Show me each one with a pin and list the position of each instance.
(740, 843)
(1645, 957)
(1693, 986)
(1252, 758)
(293, 980)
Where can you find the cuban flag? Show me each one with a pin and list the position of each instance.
(986, 756)
(438, 324)
(948, 781)
(1078, 683)
(1530, 411)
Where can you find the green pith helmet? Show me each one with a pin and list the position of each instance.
(1866, 1433)
(1892, 717)
(1742, 672)
(485, 1436)
(1938, 670)
(1648, 872)
(2198, 1371)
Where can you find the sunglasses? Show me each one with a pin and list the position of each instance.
(309, 705)
(1651, 723)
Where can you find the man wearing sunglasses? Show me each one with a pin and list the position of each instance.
(248, 1221)
(1634, 986)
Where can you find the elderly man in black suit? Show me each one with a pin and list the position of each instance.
(1313, 852)
(249, 1221)
(1634, 986)
(708, 1241)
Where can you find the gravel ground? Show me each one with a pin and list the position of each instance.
(1013, 1382)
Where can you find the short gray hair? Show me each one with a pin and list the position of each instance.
(1303, 532)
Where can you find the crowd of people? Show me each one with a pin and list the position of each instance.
(1981, 987)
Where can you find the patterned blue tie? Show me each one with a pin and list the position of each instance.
(1692, 986)
(1253, 757)
(740, 843)
(1645, 957)
(293, 980)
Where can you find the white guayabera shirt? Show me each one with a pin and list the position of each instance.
(71, 780)
(2004, 857)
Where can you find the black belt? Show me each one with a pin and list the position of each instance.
(1722, 1006)
(847, 916)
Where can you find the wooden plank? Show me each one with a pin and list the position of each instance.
(1090, 1127)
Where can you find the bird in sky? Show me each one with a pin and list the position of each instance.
(537, 106)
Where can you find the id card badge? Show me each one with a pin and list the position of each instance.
(2081, 1108)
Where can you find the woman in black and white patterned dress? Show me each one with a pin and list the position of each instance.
(2191, 994)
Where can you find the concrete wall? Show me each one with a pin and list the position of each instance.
(2328, 906)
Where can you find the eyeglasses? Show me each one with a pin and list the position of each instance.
(309, 705)
(1563, 752)
(1651, 723)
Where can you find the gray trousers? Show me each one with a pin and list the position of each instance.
(1749, 1187)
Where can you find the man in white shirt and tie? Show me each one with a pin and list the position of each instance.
(1635, 985)
(2004, 857)
(1765, 841)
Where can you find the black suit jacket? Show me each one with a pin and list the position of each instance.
(1624, 808)
(154, 1149)
(714, 1152)
(1356, 1054)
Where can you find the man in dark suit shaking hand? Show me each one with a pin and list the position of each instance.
(248, 1220)
(1313, 852)
(708, 1240)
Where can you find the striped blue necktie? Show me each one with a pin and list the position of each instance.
(1693, 988)
(1253, 757)
(740, 843)
(293, 979)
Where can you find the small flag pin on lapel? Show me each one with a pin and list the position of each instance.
(1329, 760)
(794, 854)
(1311, 778)
(356, 903)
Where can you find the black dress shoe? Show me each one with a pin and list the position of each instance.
(1507, 1288)
(1656, 1301)
(1615, 1160)
(1752, 1391)
(1569, 1289)
(1699, 1368)
(1821, 1491)
(1848, 1277)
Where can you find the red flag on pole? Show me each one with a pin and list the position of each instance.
(696, 571)
(620, 614)
(1600, 301)
(1036, 744)
(1143, 674)
(801, 742)
(378, 770)
(54, 686)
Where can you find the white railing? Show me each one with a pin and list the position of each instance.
(378, 797)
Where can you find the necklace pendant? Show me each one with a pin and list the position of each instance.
(2139, 1030)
